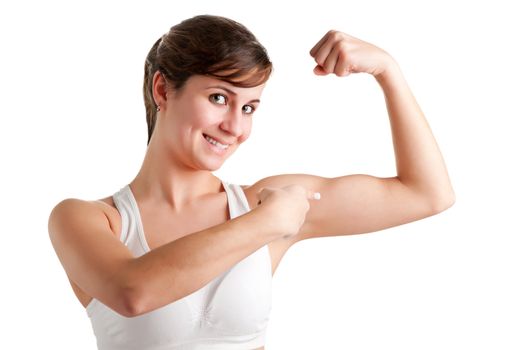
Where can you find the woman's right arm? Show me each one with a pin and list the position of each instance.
(97, 261)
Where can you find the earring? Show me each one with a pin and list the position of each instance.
(158, 108)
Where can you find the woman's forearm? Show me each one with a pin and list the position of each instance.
(419, 162)
(179, 268)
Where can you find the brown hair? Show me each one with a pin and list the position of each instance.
(206, 45)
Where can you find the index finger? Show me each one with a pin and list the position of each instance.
(313, 195)
(313, 52)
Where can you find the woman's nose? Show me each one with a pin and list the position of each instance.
(233, 122)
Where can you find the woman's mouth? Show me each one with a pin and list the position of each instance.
(216, 144)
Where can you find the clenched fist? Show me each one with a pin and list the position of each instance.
(343, 54)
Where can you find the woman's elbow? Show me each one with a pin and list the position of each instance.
(443, 202)
(128, 297)
(130, 303)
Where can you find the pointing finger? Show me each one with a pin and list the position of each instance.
(314, 195)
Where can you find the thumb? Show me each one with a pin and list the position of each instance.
(264, 192)
(319, 70)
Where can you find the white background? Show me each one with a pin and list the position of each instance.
(73, 125)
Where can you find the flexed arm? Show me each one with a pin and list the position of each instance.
(359, 203)
(419, 162)
(420, 165)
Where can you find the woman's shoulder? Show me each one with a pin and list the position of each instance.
(88, 208)
(107, 205)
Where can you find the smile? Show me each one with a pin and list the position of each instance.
(215, 143)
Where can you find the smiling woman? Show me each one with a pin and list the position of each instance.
(170, 277)
(179, 259)
(197, 112)
(205, 45)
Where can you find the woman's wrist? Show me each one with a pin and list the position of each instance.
(390, 73)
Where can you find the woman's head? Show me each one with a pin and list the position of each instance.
(206, 45)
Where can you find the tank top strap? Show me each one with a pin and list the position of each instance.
(132, 234)
(131, 229)
(238, 204)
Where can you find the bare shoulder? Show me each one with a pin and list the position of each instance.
(88, 208)
(85, 241)
(108, 207)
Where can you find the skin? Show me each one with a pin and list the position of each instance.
(175, 178)
(178, 164)
(177, 167)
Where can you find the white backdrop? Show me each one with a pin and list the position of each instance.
(73, 125)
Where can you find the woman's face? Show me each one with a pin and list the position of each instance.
(208, 108)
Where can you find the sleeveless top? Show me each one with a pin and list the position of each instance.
(230, 312)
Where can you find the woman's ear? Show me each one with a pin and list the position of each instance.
(159, 89)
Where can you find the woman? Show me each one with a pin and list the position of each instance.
(179, 259)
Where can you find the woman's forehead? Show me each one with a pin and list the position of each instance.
(205, 82)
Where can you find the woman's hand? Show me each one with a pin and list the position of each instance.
(286, 207)
(342, 54)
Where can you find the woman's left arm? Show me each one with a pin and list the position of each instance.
(420, 165)
(364, 203)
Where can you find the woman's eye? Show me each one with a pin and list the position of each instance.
(250, 110)
(222, 99)
(218, 98)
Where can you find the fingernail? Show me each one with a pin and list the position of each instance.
(316, 195)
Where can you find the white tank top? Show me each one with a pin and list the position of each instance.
(230, 312)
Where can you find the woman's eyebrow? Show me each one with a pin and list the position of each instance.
(229, 91)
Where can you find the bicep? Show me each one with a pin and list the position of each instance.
(92, 256)
(358, 203)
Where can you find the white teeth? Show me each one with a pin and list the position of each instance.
(216, 143)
